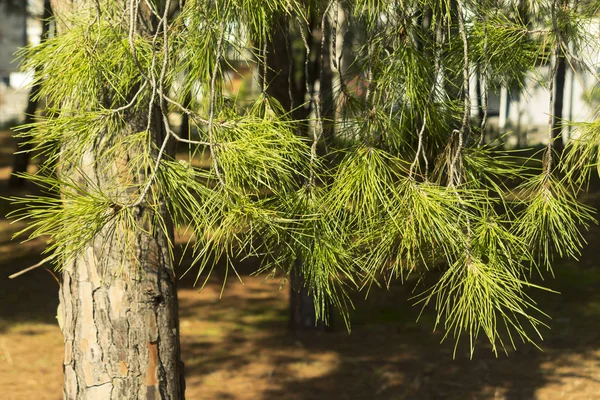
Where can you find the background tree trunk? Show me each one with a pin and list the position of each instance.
(559, 95)
(302, 304)
(184, 128)
(284, 85)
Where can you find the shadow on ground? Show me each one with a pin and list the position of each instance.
(238, 346)
(245, 352)
(34, 296)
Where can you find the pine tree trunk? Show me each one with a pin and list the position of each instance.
(118, 309)
(121, 332)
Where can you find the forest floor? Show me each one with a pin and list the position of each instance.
(238, 346)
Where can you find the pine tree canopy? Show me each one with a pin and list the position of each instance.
(391, 177)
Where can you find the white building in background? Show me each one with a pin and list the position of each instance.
(525, 111)
(16, 31)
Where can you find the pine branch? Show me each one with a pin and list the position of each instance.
(34, 266)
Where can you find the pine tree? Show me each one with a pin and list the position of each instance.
(404, 184)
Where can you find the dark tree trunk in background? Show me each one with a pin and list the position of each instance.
(480, 94)
(184, 128)
(326, 87)
(302, 305)
(289, 88)
(559, 94)
(22, 155)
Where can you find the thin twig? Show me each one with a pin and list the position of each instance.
(337, 61)
(288, 51)
(163, 72)
(440, 38)
(369, 71)
(419, 147)
(195, 116)
(133, 8)
(313, 152)
(188, 141)
(154, 172)
(264, 60)
(157, 88)
(152, 8)
(133, 100)
(465, 127)
(307, 55)
(97, 22)
(483, 77)
(162, 22)
(212, 100)
(553, 68)
(34, 266)
(334, 28)
(437, 67)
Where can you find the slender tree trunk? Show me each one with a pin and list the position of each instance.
(119, 309)
(291, 94)
(559, 94)
(302, 304)
(184, 128)
(326, 86)
(21, 156)
(480, 94)
(453, 82)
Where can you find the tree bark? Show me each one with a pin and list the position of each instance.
(121, 332)
(118, 309)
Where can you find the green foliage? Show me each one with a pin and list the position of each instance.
(505, 50)
(404, 186)
(102, 73)
(552, 220)
(583, 155)
(260, 151)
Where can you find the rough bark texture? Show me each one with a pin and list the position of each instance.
(118, 305)
(121, 332)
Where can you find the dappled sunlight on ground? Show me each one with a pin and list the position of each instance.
(31, 362)
(236, 346)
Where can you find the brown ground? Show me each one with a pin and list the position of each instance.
(238, 347)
